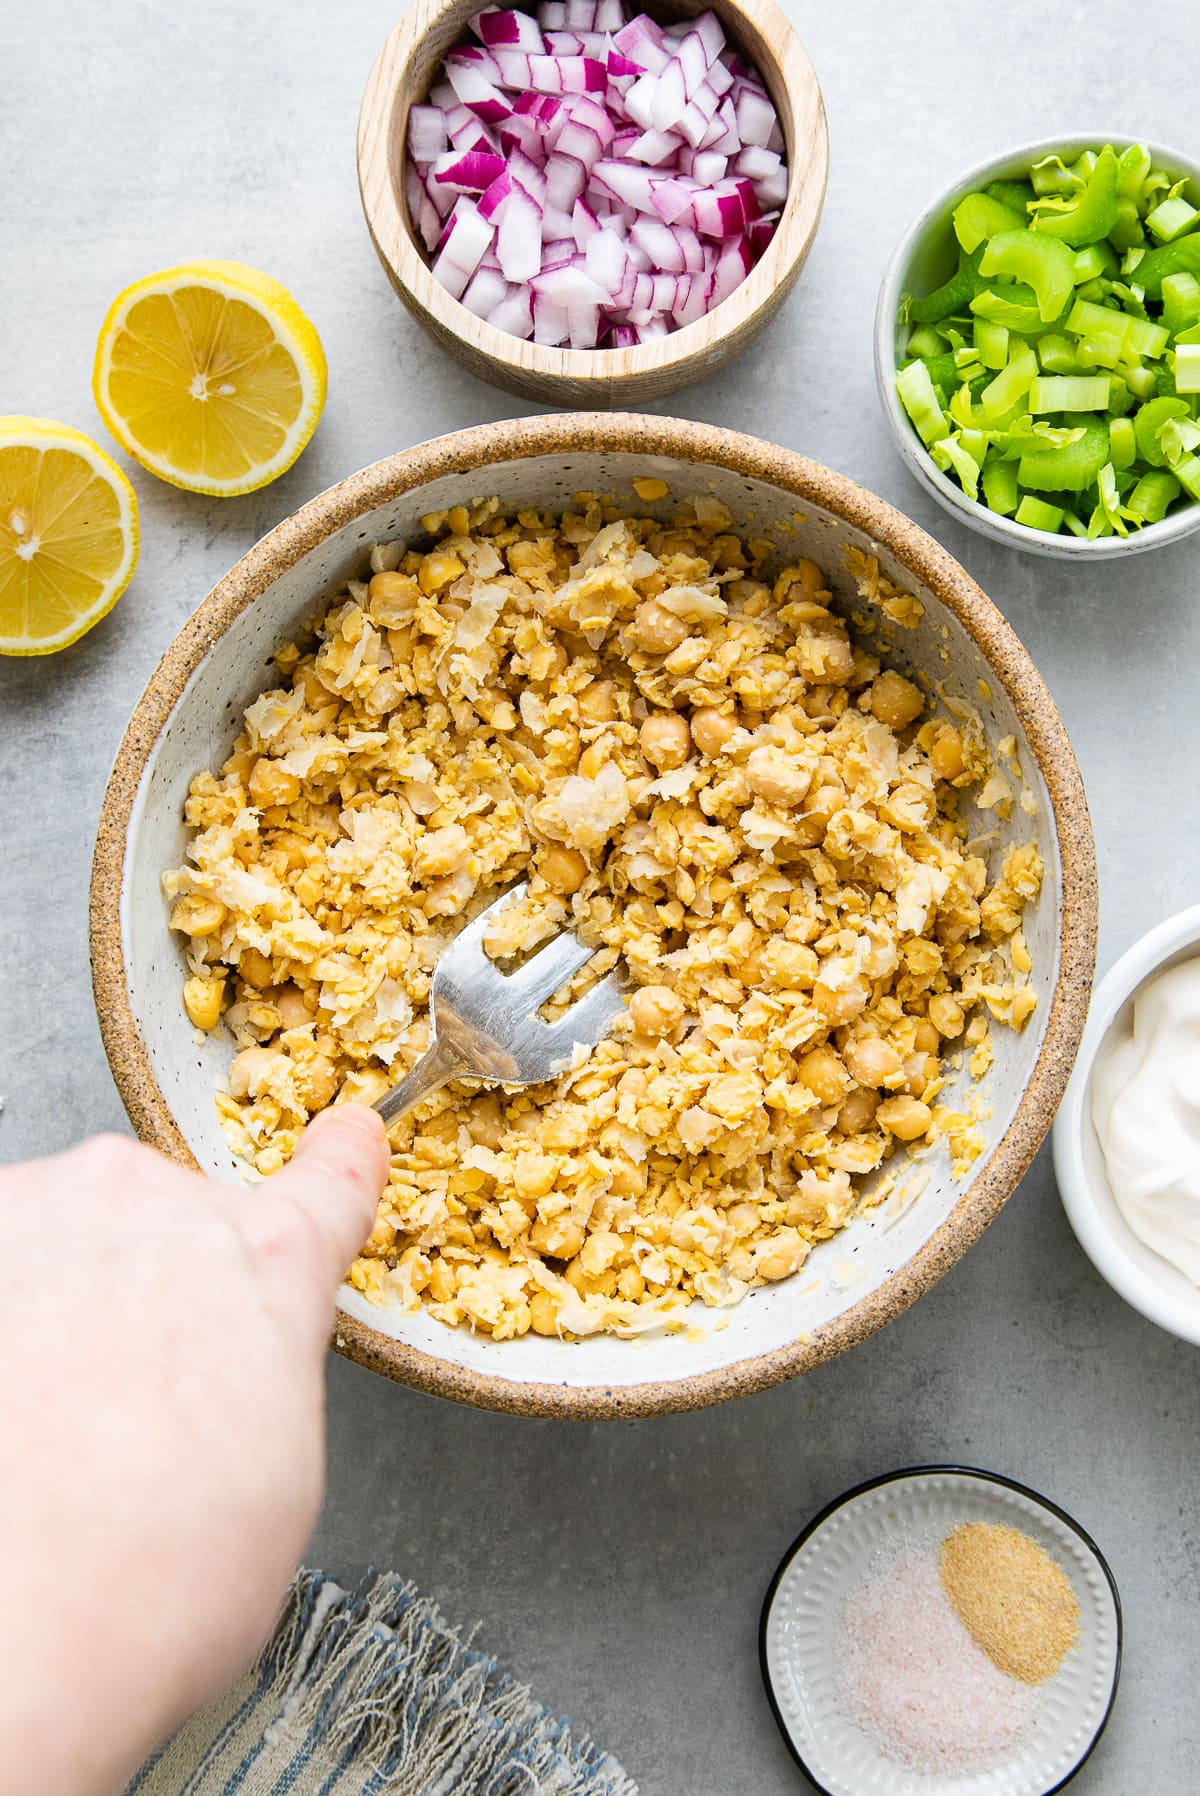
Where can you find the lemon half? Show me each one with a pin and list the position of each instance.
(210, 375)
(68, 535)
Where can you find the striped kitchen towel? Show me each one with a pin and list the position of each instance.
(368, 1692)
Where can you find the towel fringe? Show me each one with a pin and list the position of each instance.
(380, 1678)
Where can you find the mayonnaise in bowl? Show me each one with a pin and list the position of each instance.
(1145, 1103)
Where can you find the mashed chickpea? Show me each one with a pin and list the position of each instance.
(693, 765)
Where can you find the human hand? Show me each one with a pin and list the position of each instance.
(162, 1347)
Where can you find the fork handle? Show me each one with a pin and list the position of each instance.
(437, 1066)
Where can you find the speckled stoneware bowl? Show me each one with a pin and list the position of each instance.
(221, 660)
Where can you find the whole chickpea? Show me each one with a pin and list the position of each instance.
(270, 784)
(293, 1011)
(250, 1070)
(543, 1313)
(946, 753)
(946, 1015)
(774, 775)
(316, 1081)
(655, 1010)
(823, 1073)
(904, 1117)
(255, 969)
(563, 869)
(560, 1238)
(895, 700)
(598, 702)
(485, 1120)
(656, 630)
(666, 740)
(871, 1061)
(782, 1255)
(711, 729)
(858, 1111)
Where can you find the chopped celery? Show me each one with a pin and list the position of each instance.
(1133, 171)
(925, 341)
(1012, 382)
(1096, 260)
(1140, 335)
(1179, 437)
(1042, 263)
(951, 452)
(1017, 194)
(979, 216)
(1069, 393)
(1071, 468)
(1149, 421)
(1180, 257)
(943, 371)
(1016, 307)
(1187, 368)
(991, 343)
(1127, 233)
(920, 401)
(1122, 442)
(1181, 301)
(953, 296)
(1173, 218)
(1087, 216)
(1110, 500)
(1187, 473)
(1000, 486)
(1038, 514)
(1052, 175)
(1057, 354)
(1143, 382)
(1063, 355)
(1152, 495)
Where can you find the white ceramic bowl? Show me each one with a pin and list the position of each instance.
(220, 662)
(1138, 1274)
(924, 258)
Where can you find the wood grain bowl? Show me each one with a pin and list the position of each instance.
(402, 76)
(221, 660)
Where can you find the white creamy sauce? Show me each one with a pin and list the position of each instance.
(1146, 1111)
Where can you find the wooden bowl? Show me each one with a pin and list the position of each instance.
(219, 663)
(403, 73)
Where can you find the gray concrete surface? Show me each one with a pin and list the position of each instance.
(620, 1568)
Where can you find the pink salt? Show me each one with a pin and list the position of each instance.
(912, 1678)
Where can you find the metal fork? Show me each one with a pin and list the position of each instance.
(485, 1022)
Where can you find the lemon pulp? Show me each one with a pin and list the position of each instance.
(68, 535)
(211, 375)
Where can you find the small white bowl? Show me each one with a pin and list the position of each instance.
(924, 258)
(1138, 1274)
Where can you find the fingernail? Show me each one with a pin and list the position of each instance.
(359, 1116)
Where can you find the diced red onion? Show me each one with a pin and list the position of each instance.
(603, 180)
(505, 26)
(469, 173)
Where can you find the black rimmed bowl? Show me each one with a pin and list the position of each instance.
(838, 1549)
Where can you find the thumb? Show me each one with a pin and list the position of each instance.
(335, 1177)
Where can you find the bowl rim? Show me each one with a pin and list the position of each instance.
(925, 561)
(980, 517)
(592, 371)
(1104, 1246)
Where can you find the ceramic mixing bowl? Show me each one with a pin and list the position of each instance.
(221, 660)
